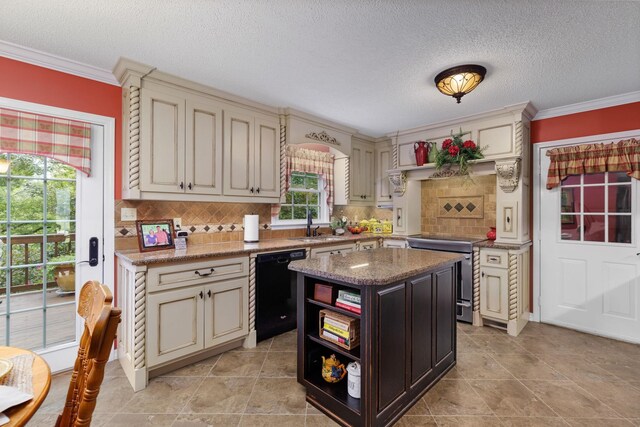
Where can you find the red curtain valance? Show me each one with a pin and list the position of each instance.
(622, 156)
(64, 140)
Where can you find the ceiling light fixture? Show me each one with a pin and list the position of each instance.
(459, 81)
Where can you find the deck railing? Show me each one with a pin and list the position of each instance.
(62, 244)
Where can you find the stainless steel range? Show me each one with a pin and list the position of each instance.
(463, 245)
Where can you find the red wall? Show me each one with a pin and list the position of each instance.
(595, 122)
(26, 82)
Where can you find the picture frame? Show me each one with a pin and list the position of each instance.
(155, 235)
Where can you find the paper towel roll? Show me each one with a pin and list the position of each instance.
(251, 228)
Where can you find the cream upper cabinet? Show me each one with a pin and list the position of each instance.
(162, 140)
(384, 162)
(180, 144)
(362, 172)
(203, 172)
(252, 153)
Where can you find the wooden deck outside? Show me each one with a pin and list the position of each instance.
(27, 328)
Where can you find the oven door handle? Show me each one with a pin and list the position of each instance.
(463, 304)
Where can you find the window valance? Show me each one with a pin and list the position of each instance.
(622, 156)
(64, 140)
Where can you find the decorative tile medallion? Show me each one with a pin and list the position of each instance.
(461, 207)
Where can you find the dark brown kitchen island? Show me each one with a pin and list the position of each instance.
(406, 329)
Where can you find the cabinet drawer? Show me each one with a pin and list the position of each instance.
(332, 250)
(494, 258)
(187, 274)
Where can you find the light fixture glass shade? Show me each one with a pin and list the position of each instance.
(459, 81)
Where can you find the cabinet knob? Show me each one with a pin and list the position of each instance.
(251, 190)
(209, 293)
(201, 295)
(508, 220)
(483, 274)
(189, 186)
(390, 196)
(181, 185)
(258, 190)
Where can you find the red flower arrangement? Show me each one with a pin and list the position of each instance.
(456, 151)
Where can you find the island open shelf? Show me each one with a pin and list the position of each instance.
(407, 331)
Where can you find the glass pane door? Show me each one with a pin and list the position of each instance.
(37, 253)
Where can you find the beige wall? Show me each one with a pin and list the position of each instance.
(454, 190)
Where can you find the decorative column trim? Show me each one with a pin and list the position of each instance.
(283, 160)
(508, 173)
(252, 294)
(519, 138)
(395, 154)
(134, 138)
(398, 180)
(347, 178)
(476, 279)
(139, 328)
(513, 286)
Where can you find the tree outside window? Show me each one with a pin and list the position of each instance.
(305, 195)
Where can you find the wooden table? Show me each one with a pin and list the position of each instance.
(19, 415)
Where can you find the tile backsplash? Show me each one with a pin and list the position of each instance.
(210, 222)
(449, 206)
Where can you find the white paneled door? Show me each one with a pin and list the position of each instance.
(590, 253)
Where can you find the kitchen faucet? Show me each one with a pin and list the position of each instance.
(309, 224)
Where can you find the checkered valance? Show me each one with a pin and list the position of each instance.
(309, 161)
(622, 156)
(64, 140)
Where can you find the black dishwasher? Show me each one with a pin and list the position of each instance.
(276, 293)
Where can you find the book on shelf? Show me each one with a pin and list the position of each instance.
(349, 296)
(345, 305)
(337, 323)
(334, 330)
(335, 338)
(349, 303)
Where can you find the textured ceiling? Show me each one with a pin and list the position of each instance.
(368, 64)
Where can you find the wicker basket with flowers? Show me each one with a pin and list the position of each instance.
(456, 151)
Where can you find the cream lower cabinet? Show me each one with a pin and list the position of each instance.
(367, 245)
(394, 243)
(185, 321)
(494, 293)
(332, 250)
(502, 287)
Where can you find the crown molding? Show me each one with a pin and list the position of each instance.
(596, 104)
(54, 62)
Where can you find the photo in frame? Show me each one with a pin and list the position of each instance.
(155, 235)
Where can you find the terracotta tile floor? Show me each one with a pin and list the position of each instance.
(547, 376)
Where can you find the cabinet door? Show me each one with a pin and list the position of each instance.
(383, 187)
(355, 172)
(203, 152)
(174, 324)
(494, 292)
(422, 327)
(267, 158)
(445, 316)
(162, 142)
(368, 177)
(238, 153)
(226, 315)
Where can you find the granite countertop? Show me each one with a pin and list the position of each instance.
(377, 267)
(199, 251)
(492, 244)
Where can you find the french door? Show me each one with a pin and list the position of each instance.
(48, 214)
(589, 245)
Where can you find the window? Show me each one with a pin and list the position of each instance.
(597, 208)
(305, 195)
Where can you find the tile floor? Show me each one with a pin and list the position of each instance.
(547, 376)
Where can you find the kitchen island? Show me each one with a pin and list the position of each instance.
(403, 337)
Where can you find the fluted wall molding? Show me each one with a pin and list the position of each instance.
(519, 138)
(347, 178)
(283, 160)
(252, 294)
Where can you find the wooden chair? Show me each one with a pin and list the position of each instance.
(101, 323)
